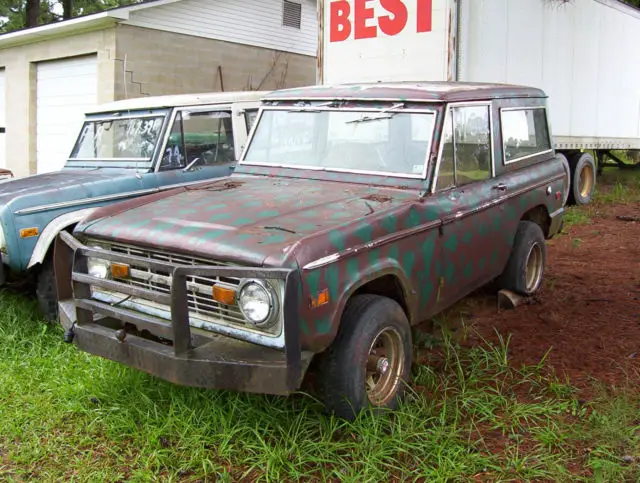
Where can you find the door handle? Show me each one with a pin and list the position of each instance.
(500, 187)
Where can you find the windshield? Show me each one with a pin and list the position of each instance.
(381, 141)
(132, 139)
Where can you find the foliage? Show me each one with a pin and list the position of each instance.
(471, 416)
(13, 12)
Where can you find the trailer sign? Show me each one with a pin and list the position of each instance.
(387, 40)
(365, 23)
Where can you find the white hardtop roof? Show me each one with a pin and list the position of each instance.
(159, 102)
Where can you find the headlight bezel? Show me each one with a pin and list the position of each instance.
(272, 316)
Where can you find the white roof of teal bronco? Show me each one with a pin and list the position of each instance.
(157, 102)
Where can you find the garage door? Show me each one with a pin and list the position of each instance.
(3, 123)
(65, 89)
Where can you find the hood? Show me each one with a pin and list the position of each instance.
(245, 219)
(61, 186)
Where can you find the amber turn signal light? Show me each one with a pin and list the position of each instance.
(28, 232)
(320, 300)
(224, 295)
(120, 270)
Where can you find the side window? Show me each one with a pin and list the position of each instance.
(206, 136)
(466, 154)
(524, 133)
(173, 156)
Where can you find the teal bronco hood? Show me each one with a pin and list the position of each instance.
(59, 186)
(248, 220)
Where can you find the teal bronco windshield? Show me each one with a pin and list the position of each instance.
(377, 141)
(124, 140)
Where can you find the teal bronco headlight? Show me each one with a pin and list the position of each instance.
(258, 303)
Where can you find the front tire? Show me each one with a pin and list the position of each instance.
(525, 268)
(46, 292)
(369, 362)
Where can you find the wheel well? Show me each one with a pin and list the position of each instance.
(540, 216)
(386, 286)
(49, 253)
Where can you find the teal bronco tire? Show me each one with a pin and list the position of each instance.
(369, 362)
(46, 291)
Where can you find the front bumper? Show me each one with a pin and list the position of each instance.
(172, 350)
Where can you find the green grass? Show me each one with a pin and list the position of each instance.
(618, 186)
(69, 416)
(576, 215)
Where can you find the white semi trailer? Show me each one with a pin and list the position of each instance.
(582, 53)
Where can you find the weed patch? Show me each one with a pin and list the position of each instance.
(66, 415)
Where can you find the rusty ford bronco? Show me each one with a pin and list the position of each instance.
(355, 212)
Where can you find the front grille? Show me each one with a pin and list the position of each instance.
(201, 304)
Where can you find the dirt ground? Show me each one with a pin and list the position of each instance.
(587, 313)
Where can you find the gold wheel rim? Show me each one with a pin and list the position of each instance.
(384, 366)
(587, 179)
(534, 268)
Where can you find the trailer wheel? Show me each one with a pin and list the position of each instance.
(583, 179)
(369, 362)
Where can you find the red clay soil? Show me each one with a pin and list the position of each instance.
(588, 310)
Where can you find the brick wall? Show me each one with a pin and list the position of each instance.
(159, 63)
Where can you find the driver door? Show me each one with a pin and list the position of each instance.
(200, 146)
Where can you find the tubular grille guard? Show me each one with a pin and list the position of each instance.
(179, 328)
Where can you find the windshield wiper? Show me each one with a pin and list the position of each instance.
(382, 115)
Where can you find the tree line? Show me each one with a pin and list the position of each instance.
(20, 14)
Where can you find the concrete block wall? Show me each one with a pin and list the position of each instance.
(160, 63)
(19, 65)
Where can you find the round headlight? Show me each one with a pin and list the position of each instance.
(257, 302)
(98, 268)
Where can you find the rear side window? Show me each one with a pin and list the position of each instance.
(524, 133)
(466, 151)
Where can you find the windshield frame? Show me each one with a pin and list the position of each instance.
(146, 163)
(427, 109)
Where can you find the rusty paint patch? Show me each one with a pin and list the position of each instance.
(380, 198)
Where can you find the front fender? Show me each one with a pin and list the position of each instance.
(51, 231)
(341, 279)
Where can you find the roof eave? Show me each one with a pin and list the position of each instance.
(96, 21)
(69, 27)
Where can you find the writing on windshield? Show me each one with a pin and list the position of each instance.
(130, 138)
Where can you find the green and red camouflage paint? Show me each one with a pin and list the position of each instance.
(342, 231)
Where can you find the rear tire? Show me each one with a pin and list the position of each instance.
(525, 268)
(369, 362)
(46, 291)
(583, 179)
